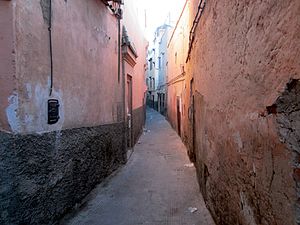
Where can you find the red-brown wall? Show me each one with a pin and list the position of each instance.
(246, 71)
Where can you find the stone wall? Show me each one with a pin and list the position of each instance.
(245, 63)
(44, 176)
(287, 109)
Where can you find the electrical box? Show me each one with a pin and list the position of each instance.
(53, 111)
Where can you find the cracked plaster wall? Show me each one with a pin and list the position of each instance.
(245, 55)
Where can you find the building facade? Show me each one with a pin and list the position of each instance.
(157, 69)
(63, 116)
(163, 35)
(134, 49)
(151, 79)
(233, 96)
(176, 73)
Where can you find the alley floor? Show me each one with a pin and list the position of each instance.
(157, 186)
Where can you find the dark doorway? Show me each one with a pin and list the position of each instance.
(178, 116)
(153, 103)
(191, 149)
(159, 102)
(129, 111)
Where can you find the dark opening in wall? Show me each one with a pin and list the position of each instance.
(272, 109)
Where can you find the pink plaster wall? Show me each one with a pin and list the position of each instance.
(136, 36)
(7, 64)
(176, 68)
(85, 55)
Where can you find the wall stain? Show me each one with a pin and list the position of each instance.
(45, 5)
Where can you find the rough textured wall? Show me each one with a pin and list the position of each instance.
(45, 170)
(44, 176)
(245, 57)
(85, 59)
(287, 109)
(7, 63)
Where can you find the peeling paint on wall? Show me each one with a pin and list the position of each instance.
(32, 115)
(12, 112)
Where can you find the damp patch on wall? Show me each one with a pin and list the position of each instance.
(12, 112)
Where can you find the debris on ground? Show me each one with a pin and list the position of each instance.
(192, 209)
(189, 165)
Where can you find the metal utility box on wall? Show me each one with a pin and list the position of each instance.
(53, 111)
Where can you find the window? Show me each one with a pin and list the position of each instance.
(159, 62)
(150, 61)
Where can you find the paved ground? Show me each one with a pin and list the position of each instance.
(156, 187)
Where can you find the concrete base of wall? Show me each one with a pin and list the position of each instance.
(44, 176)
(138, 122)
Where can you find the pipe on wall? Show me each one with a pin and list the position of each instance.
(197, 18)
(119, 49)
(51, 47)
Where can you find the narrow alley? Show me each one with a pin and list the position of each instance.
(138, 112)
(157, 186)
